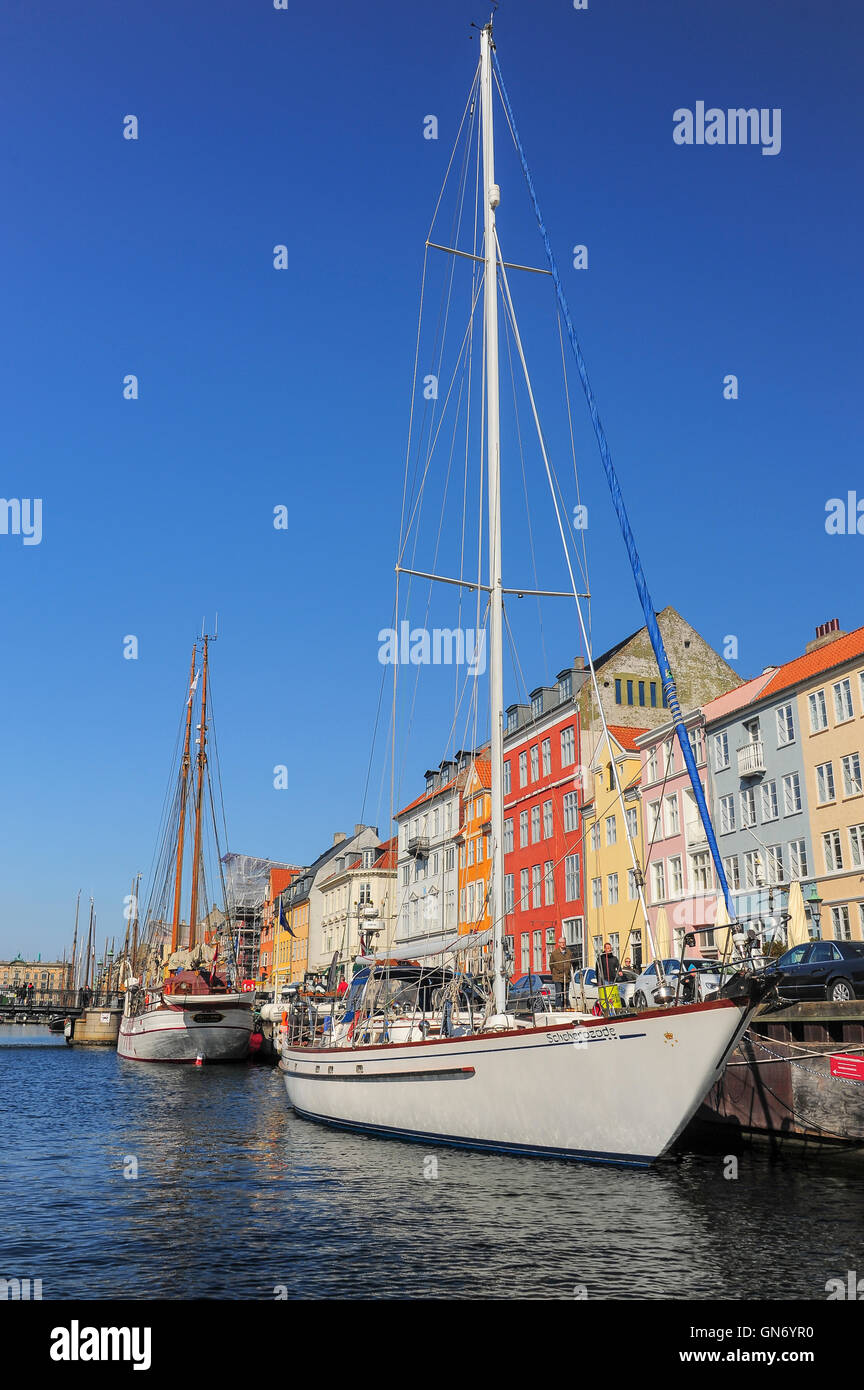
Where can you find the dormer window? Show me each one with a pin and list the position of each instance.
(565, 687)
(512, 720)
(536, 706)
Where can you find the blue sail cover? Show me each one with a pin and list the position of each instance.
(654, 633)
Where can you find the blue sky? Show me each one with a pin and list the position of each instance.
(260, 387)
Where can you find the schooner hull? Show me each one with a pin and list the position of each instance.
(607, 1091)
(176, 1035)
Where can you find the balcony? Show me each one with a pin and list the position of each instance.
(418, 846)
(694, 834)
(751, 759)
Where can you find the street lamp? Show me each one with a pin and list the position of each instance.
(815, 906)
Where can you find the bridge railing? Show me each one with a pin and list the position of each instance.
(15, 997)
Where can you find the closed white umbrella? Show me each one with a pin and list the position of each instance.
(662, 935)
(796, 928)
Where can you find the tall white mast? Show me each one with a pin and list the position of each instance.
(496, 596)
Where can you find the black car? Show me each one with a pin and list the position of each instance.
(820, 970)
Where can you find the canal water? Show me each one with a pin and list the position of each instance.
(129, 1181)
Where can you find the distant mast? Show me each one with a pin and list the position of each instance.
(184, 788)
(199, 797)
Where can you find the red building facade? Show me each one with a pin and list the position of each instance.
(543, 855)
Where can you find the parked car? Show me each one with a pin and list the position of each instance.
(532, 992)
(586, 981)
(700, 980)
(820, 970)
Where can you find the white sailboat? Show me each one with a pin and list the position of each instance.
(607, 1089)
(184, 1009)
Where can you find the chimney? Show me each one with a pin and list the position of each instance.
(358, 828)
(339, 837)
(825, 633)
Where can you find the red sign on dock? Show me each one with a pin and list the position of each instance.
(842, 1065)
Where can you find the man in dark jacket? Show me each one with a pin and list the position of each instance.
(608, 965)
(559, 969)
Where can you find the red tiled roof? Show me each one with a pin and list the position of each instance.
(483, 769)
(626, 737)
(834, 653)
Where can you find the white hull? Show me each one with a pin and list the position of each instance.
(162, 1034)
(605, 1090)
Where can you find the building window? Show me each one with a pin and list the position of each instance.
(449, 860)
(568, 747)
(565, 687)
(721, 752)
(727, 814)
(856, 841)
(747, 803)
(523, 829)
(785, 726)
(611, 830)
(536, 880)
(797, 859)
(833, 851)
(508, 892)
(658, 882)
(535, 763)
(824, 783)
(471, 851)
(523, 769)
(535, 825)
(507, 777)
(632, 885)
(632, 822)
(595, 836)
(752, 869)
(537, 706)
(841, 929)
(508, 836)
(572, 878)
(671, 823)
(818, 711)
(791, 794)
(651, 765)
(653, 809)
(612, 888)
(538, 951)
(700, 871)
(547, 820)
(730, 869)
(597, 892)
(549, 883)
(571, 810)
(641, 692)
(629, 692)
(546, 751)
(843, 710)
(653, 694)
(617, 690)
(676, 877)
(524, 889)
(852, 775)
(694, 737)
(769, 801)
(525, 952)
(774, 863)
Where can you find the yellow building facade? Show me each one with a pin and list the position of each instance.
(611, 894)
(474, 860)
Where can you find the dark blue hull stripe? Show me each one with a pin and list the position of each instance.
(415, 1136)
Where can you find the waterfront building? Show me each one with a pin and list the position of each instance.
(43, 975)
(474, 848)
(629, 683)
(359, 899)
(786, 784)
(427, 868)
(543, 888)
(297, 941)
(611, 820)
(279, 878)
